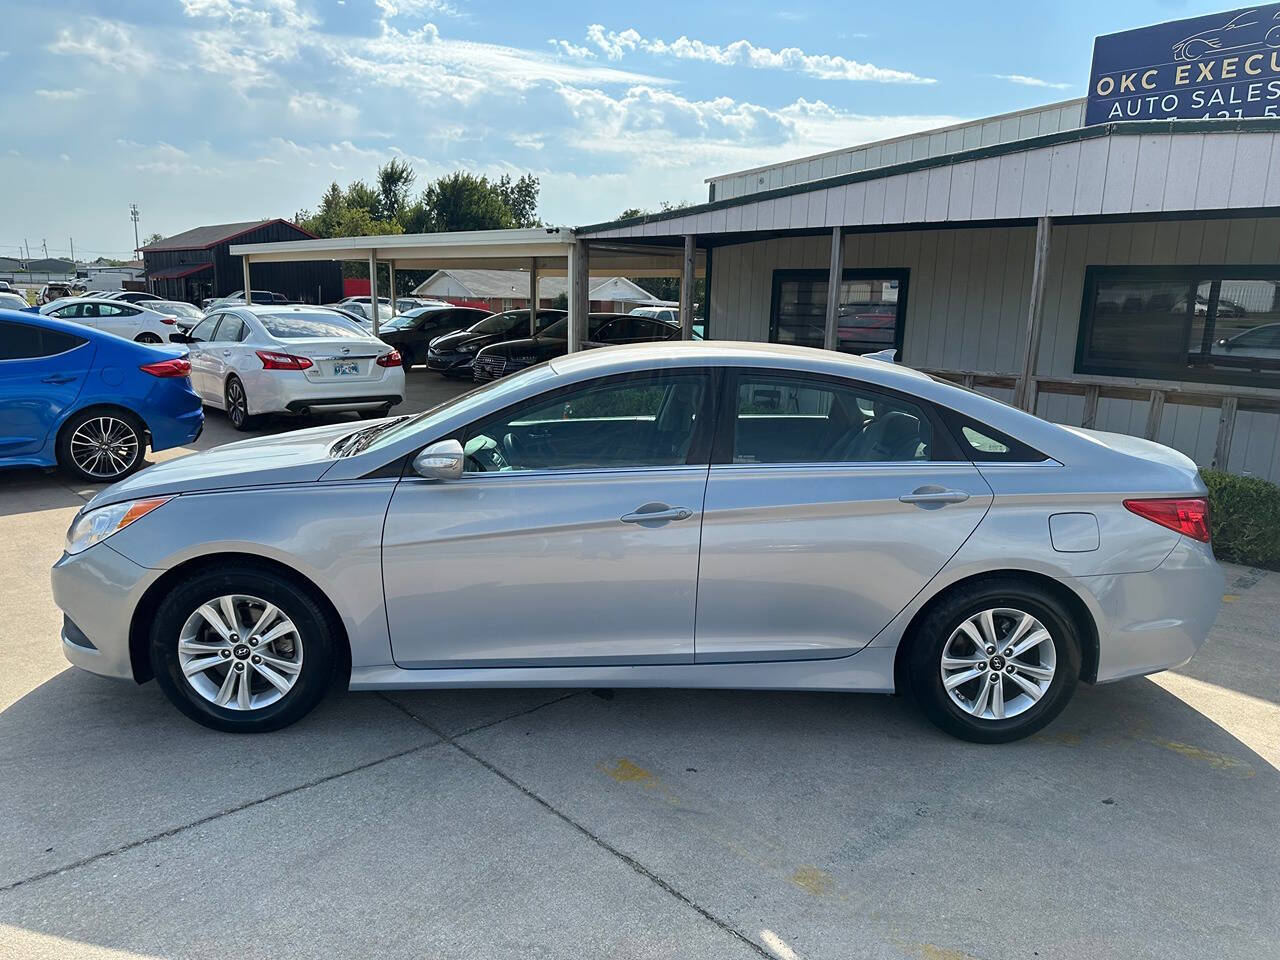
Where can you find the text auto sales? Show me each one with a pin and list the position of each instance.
(1223, 87)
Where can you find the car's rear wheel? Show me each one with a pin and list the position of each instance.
(995, 661)
(237, 404)
(102, 446)
(242, 649)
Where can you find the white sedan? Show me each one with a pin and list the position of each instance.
(133, 321)
(290, 359)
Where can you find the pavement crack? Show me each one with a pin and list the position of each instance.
(183, 828)
(599, 841)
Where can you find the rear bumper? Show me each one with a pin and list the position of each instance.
(1157, 620)
(174, 423)
(342, 403)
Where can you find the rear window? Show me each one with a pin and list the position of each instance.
(308, 326)
(20, 341)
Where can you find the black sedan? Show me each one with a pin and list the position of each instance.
(603, 329)
(453, 353)
(410, 332)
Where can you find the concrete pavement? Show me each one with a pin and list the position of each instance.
(631, 823)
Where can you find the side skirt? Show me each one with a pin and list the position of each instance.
(869, 671)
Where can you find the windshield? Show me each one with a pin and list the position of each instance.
(560, 329)
(500, 323)
(398, 323)
(308, 326)
(460, 404)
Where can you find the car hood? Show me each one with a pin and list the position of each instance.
(451, 341)
(301, 456)
(540, 347)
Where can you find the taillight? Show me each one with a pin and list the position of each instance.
(1187, 515)
(281, 361)
(391, 359)
(169, 320)
(177, 367)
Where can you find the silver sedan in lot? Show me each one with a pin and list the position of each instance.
(674, 515)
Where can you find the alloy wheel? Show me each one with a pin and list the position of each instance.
(998, 663)
(240, 652)
(105, 447)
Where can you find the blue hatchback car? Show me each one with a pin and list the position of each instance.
(89, 401)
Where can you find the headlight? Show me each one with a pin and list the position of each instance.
(96, 525)
(468, 347)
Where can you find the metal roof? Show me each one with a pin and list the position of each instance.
(498, 284)
(202, 238)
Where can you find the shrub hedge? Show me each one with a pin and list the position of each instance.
(1245, 513)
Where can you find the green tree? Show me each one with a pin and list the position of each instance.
(463, 201)
(360, 196)
(395, 177)
(154, 238)
(521, 198)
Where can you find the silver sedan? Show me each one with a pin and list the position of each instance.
(716, 515)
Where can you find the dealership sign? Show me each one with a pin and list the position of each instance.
(1222, 65)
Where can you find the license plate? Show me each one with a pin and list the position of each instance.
(347, 368)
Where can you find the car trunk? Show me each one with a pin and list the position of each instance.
(339, 360)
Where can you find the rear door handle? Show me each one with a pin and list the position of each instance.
(933, 495)
(657, 512)
(57, 378)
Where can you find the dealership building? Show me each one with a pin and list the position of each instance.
(1117, 275)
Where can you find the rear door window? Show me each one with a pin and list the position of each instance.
(21, 341)
(786, 419)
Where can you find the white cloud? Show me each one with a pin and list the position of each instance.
(106, 42)
(314, 106)
(411, 8)
(1025, 81)
(572, 49)
(616, 44)
(66, 94)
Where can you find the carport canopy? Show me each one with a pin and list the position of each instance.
(545, 251)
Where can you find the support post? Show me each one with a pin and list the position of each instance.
(248, 290)
(579, 294)
(1155, 412)
(688, 264)
(1090, 418)
(533, 296)
(831, 333)
(1024, 394)
(373, 289)
(392, 267)
(1226, 427)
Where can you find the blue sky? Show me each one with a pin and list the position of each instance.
(205, 111)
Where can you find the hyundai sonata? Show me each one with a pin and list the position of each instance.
(673, 515)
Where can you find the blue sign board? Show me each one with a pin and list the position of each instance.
(1221, 65)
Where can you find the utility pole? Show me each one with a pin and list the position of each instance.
(133, 214)
(44, 245)
(28, 246)
(72, 241)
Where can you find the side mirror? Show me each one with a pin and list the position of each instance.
(180, 338)
(440, 461)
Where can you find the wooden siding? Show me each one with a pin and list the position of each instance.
(967, 304)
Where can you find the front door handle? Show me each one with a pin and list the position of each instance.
(657, 513)
(932, 495)
(57, 378)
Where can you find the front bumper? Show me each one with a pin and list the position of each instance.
(449, 362)
(1157, 620)
(97, 591)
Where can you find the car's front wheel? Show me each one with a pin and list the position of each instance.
(995, 661)
(242, 649)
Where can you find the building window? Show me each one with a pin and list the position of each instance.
(1212, 324)
(873, 306)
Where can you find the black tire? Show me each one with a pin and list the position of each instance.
(318, 637)
(936, 628)
(147, 338)
(377, 413)
(117, 424)
(237, 405)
